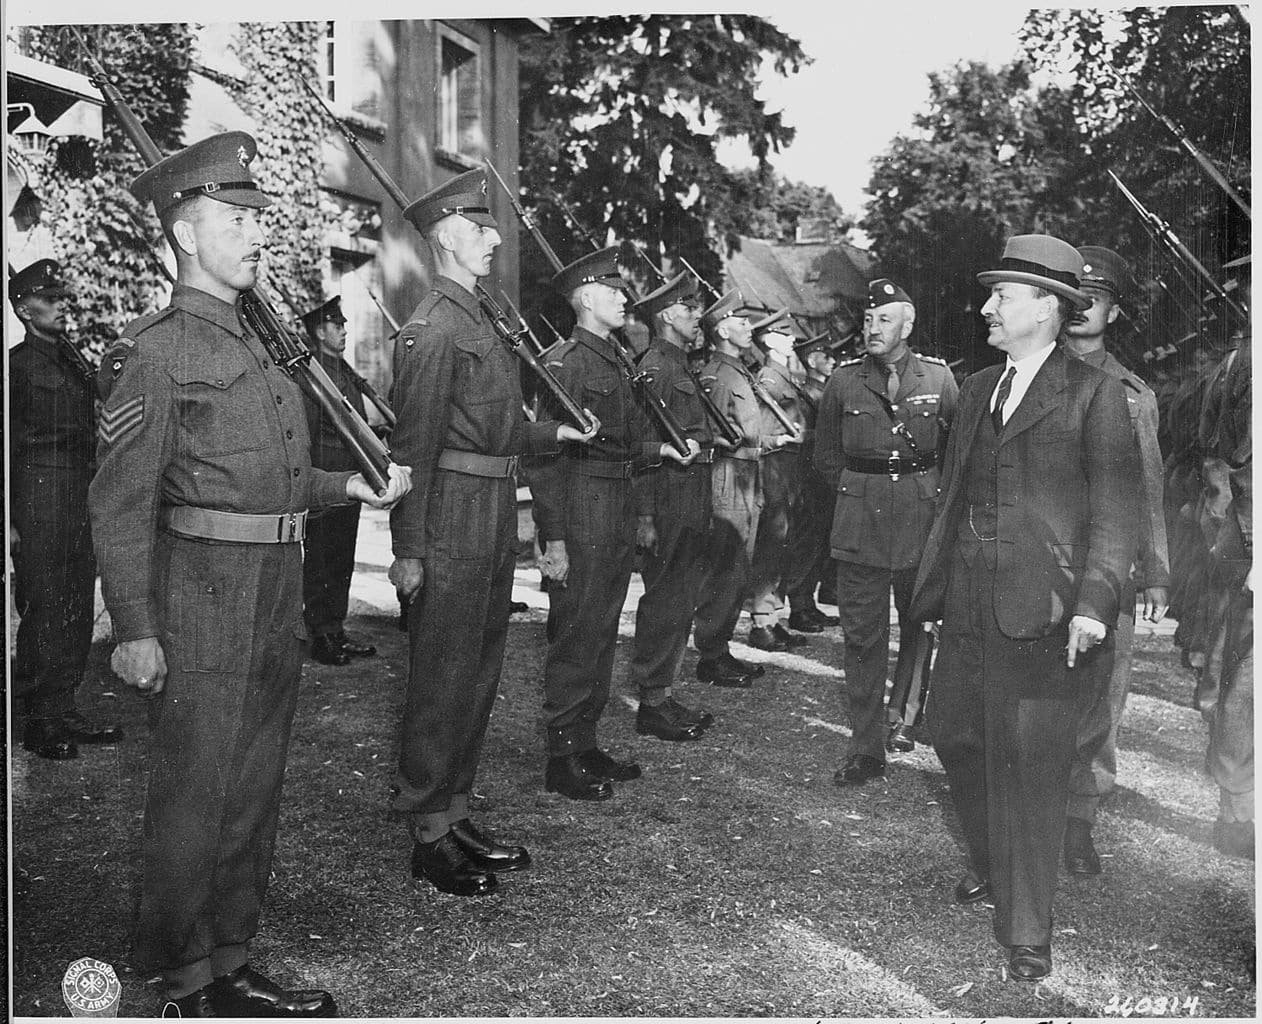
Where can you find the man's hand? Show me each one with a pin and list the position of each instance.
(407, 575)
(780, 440)
(669, 451)
(554, 563)
(1156, 601)
(646, 535)
(566, 432)
(400, 483)
(1084, 634)
(725, 444)
(141, 663)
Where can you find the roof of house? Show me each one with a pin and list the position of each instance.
(809, 278)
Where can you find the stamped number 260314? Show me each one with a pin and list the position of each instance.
(1152, 1006)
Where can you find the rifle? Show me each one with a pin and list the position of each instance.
(286, 350)
(1204, 162)
(652, 401)
(513, 339)
(394, 324)
(564, 207)
(1159, 230)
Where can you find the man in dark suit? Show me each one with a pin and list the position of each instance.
(1025, 564)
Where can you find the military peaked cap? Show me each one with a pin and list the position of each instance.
(464, 194)
(218, 167)
(1041, 261)
(596, 267)
(821, 342)
(43, 278)
(1104, 268)
(327, 312)
(883, 290)
(777, 321)
(677, 289)
(726, 305)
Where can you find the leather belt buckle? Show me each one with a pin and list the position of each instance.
(510, 469)
(895, 465)
(287, 528)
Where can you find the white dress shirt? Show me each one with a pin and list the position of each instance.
(1026, 369)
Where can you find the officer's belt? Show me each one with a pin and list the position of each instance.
(893, 464)
(747, 454)
(602, 468)
(475, 464)
(233, 527)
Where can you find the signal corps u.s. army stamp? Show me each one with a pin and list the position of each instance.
(91, 989)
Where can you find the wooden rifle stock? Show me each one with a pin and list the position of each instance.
(286, 351)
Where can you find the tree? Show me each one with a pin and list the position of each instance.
(621, 118)
(774, 208)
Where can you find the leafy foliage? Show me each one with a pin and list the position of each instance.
(622, 116)
(775, 206)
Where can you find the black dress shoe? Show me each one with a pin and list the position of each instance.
(485, 853)
(826, 620)
(662, 721)
(1080, 855)
(567, 775)
(972, 889)
(764, 639)
(785, 637)
(246, 993)
(697, 716)
(445, 863)
(599, 763)
(517, 607)
(49, 738)
(900, 740)
(327, 651)
(83, 731)
(858, 769)
(748, 668)
(805, 622)
(720, 675)
(1030, 963)
(195, 1004)
(352, 647)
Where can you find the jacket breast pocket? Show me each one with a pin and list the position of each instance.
(476, 378)
(221, 410)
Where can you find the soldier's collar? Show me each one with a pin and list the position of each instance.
(735, 361)
(603, 347)
(460, 295)
(207, 307)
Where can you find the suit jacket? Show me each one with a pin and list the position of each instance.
(1068, 500)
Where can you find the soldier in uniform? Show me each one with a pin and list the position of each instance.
(198, 511)
(461, 429)
(1105, 278)
(882, 426)
(781, 471)
(52, 429)
(808, 554)
(586, 514)
(329, 553)
(677, 497)
(736, 494)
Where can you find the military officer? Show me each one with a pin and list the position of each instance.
(781, 471)
(808, 554)
(198, 510)
(587, 524)
(457, 395)
(329, 553)
(52, 429)
(1105, 278)
(677, 498)
(882, 425)
(737, 494)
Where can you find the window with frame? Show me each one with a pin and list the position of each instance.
(459, 118)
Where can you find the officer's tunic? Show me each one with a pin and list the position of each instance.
(678, 498)
(51, 442)
(584, 497)
(200, 416)
(737, 502)
(808, 554)
(782, 488)
(881, 520)
(329, 553)
(456, 389)
(1095, 762)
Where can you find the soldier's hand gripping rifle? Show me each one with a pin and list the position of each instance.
(285, 349)
(514, 339)
(650, 400)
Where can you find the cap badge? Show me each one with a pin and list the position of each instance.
(243, 157)
(1086, 268)
(484, 186)
(889, 289)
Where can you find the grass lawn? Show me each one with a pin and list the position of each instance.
(734, 879)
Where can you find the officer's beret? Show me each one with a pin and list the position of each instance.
(464, 194)
(883, 290)
(595, 267)
(43, 277)
(1104, 268)
(218, 167)
(326, 312)
(677, 289)
(726, 305)
(1041, 261)
(821, 342)
(777, 320)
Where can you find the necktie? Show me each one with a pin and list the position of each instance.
(1005, 389)
(891, 382)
